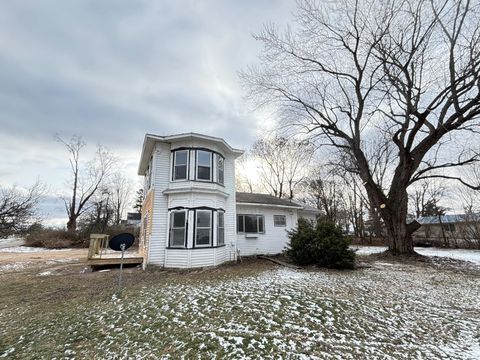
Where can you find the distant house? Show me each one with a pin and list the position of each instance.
(458, 226)
(193, 217)
(134, 219)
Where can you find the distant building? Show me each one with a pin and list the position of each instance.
(133, 219)
(448, 226)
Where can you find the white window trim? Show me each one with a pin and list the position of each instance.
(176, 228)
(203, 228)
(210, 179)
(284, 217)
(187, 165)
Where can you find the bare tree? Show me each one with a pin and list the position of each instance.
(244, 178)
(120, 188)
(283, 164)
(18, 208)
(85, 181)
(425, 198)
(408, 70)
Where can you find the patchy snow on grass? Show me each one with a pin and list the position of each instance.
(457, 254)
(16, 266)
(27, 249)
(385, 312)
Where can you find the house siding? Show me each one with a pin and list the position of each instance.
(275, 238)
(160, 175)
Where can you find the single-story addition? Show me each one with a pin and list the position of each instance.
(193, 217)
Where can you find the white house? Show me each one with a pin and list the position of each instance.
(192, 216)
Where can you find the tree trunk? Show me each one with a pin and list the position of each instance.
(72, 223)
(399, 233)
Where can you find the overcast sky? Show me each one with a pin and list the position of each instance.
(112, 71)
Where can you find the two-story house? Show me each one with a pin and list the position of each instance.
(192, 216)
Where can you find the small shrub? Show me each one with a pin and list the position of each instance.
(322, 244)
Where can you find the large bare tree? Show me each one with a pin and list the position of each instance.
(350, 72)
(85, 180)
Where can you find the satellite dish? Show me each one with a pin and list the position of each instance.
(124, 239)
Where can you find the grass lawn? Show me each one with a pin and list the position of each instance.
(251, 310)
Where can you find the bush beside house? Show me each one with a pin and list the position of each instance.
(322, 244)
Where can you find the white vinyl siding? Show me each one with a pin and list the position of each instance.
(274, 240)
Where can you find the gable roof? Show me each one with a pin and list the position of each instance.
(150, 139)
(265, 199)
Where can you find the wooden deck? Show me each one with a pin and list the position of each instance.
(115, 260)
(100, 255)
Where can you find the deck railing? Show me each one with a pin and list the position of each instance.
(98, 246)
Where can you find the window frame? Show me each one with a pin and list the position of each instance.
(284, 220)
(257, 216)
(222, 213)
(187, 165)
(210, 228)
(210, 153)
(218, 159)
(185, 229)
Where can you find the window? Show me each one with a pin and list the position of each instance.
(250, 224)
(203, 228)
(279, 220)
(178, 222)
(221, 228)
(180, 165)
(220, 169)
(204, 165)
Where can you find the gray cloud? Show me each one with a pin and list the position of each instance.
(112, 70)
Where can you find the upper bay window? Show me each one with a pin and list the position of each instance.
(180, 165)
(204, 165)
(198, 165)
(220, 169)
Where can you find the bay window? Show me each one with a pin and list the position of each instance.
(180, 165)
(178, 225)
(221, 228)
(220, 169)
(203, 228)
(204, 165)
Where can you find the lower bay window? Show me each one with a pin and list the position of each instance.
(203, 228)
(203, 234)
(178, 226)
(221, 228)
